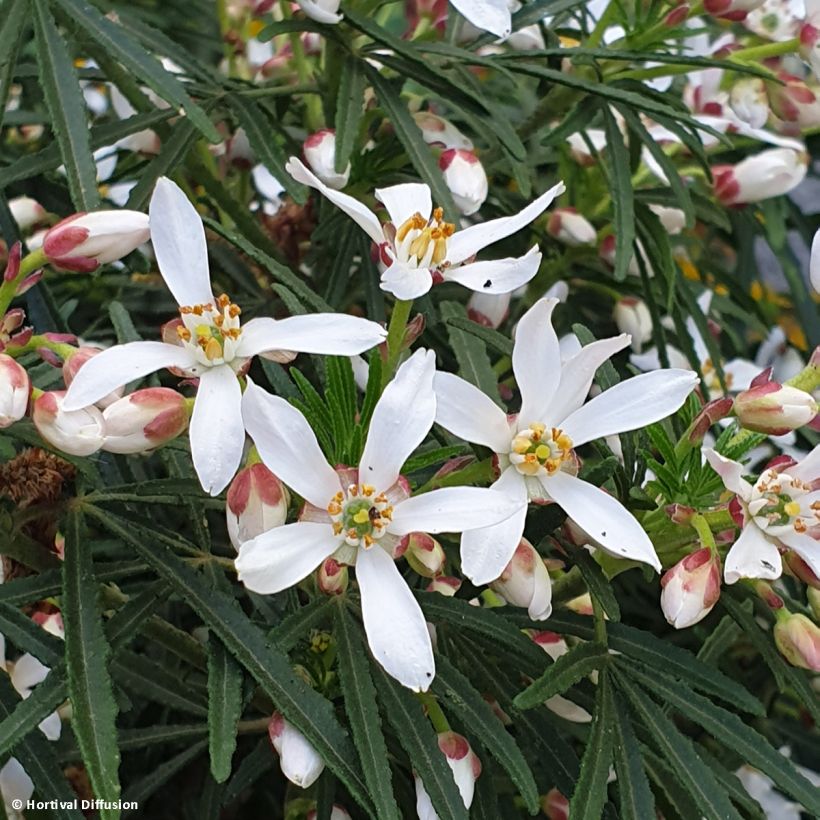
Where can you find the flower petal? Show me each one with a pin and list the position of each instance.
(332, 334)
(739, 374)
(406, 283)
(121, 364)
(317, 12)
(401, 419)
(809, 467)
(488, 15)
(806, 547)
(650, 359)
(486, 551)
(281, 557)
(393, 621)
(27, 673)
(216, 432)
(464, 244)
(752, 556)
(453, 509)
(603, 517)
(467, 412)
(288, 447)
(359, 213)
(403, 201)
(15, 784)
(577, 374)
(536, 360)
(630, 404)
(178, 237)
(730, 471)
(496, 275)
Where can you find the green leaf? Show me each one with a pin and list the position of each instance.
(29, 713)
(416, 736)
(596, 581)
(361, 710)
(137, 60)
(732, 732)
(637, 801)
(224, 707)
(308, 711)
(492, 338)
(89, 685)
(139, 791)
(590, 794)
(620, 189)
(142, 676)
(28, 636)
(566, 671)
(349, 110)
(66, 105)
(458, 695)
(12, 27)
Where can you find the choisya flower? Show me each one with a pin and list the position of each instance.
(535, 448)
(781, 509)
(360, 516)
(418, 247)
(212, 345)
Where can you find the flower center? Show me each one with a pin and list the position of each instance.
(538, 450)
(359, 515)
(421, 243)
(211, 331)
(776, 502)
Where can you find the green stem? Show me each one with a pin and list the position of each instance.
(756, 54)
(8, 290)
(704, 531)
(437, 717)
(570, 585)
(395, 336)
(62, 349)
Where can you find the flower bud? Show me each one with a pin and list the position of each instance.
(773, 408)
(709, 414)
(445, 585)
(568, 226)
(798, 640)
(84, 241)
(437, 131)
(299, 761)
(466, 768)
(800, 569)
(465, 177)
(795, 102)
(76, 432)
(320, 154)
(749, 101)
(813, 596)
(632, 316)
(691, 588)
(27, 212)
(75, 361)
(735, 10)
(769, 173)
(14, 391)
(809, 36)
(257, 501)
(332, 577)
(525, 582)
(554, 805)
(424, 554)
(144, 420)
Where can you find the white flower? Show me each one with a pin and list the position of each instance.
(535, 448)
(361, 516)
(417, 246)
(782, 508)
(488, 15)
(299, 761)
(322, 11)
(212, 344)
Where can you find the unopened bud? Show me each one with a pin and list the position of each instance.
(749, 101)
(813, 597)
(76, 432)
(319, 150)
(735, 10)
(299, 761)
(672, 219)
(691, 588)
(445, 585)
(144, 420)
(677, 16)
(465, 177)
(800, 569)
(793, 101)
(680, 513)
(525, 582)
(466, 768)
(798, 639)
(568, 226)
(257, 501)
(332, 577)
(555, 806)
(84, 241)
(774, 408)
(488, 309)
(14, 391)
(437, 131)
(27, 212)
(424, 554)
(769, 173)
(632, 316)
(809, 37)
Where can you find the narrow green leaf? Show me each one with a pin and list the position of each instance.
(570, 668)
(363, 714)
(595, 579)
(89, 685)
(255, 764)
(66, 105)
(492, 338)
(28, 636)
(349, 110)
(142, 789)
(14, 23)
(224, 707)
(620, 189)
(637, 801)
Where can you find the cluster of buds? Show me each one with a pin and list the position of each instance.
(465, 766)
(774, 408)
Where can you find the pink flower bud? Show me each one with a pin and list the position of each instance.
(769, 173)
(75, 361)
(691, 588)
(465, 177)
(13, 263)
(257, 501)
(424, 554)
(76, 432)
(809, 36)
(798, 640)
(677, 16)
(319, 150)
(568, 226)
(14, 391)
(299, 761)
(466, 768)
(27, 212)
(445, 585)
(680, 513)
(144, 420)
(749, 101)
(813, 596)
(555, 806)
(437, 131)
(525, 582)
(735, 10)
(332, 577)
(794, 101)
(83, 241)
(774, 408)
(800, 569)
(488, 309)
(632, 316)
